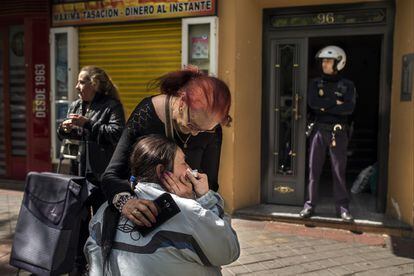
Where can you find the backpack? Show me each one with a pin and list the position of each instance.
(47, 230)
(361, 183)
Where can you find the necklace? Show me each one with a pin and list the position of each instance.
(175, 126)
(182, 140)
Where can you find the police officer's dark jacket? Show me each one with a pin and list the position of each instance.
(322, 95)
(103, 130)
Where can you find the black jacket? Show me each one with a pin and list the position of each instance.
(323, 93)
(102, 131)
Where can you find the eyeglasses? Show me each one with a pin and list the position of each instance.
(193, 126)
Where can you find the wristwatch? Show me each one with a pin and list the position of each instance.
(121, 199)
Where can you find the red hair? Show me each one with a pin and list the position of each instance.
(201, 92)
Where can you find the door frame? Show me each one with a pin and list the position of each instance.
(384, 108)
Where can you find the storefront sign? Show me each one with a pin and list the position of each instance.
(104, 11)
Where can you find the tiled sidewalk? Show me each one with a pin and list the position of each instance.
(272, 248)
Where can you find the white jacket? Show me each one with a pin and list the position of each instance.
(196, 241)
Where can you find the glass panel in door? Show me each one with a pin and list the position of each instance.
(284, 138)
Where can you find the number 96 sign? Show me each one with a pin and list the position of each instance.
(325, 18)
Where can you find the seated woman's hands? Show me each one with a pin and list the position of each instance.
(143, 212)
(185, 185)
(200, 183)
(140, 211)
(178, 186)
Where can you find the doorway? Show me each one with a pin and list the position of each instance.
(363, 68)
(364, 31)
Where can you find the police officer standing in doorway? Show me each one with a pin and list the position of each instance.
(331, 99)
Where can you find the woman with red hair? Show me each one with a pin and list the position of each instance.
(191, 109)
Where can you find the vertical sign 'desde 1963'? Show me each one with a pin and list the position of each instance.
(39, 106)
(39, 122)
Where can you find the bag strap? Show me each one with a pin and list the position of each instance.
(169, 130)
(88, 169)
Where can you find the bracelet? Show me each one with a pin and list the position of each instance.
(121, 201)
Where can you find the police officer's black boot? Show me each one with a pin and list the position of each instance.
(306, 212)
(347, 217)
(344, 214)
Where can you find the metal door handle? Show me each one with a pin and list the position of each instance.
(296, 108)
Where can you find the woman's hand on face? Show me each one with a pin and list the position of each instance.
(178, 186)
(200, 183)
(140, 211)
(78, 120)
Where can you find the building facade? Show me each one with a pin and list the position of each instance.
(264, 50)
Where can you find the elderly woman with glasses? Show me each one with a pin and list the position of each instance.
(190, 109)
